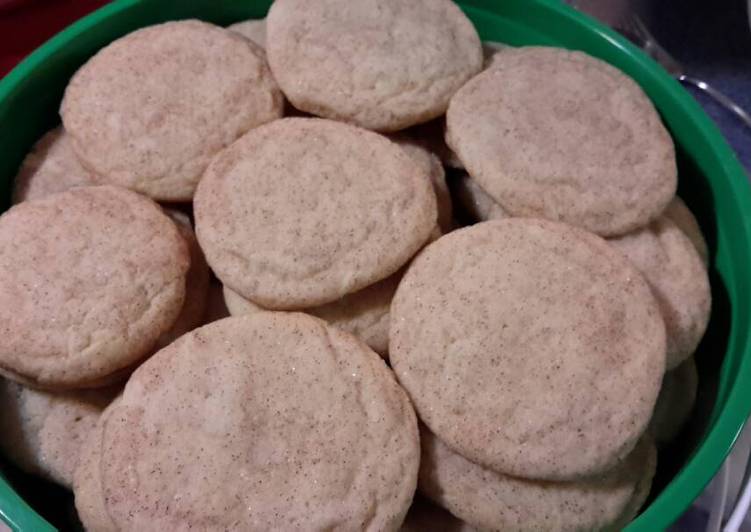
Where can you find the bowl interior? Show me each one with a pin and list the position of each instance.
(712, 183)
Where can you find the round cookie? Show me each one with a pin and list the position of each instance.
(273, 420)
(173, 95)
(682, 216)
(476, 202)
(87, 485)
(492, 501)
(89, 280)
(302, 211)
(380, 65)
(196, 284)
(531, 347)
(676, 273)
(254, 29)
(675, 402)
(424, 516)
(43, 432)
(431, 165)
(551, 133)
(50, 167)
(195, 305)
(364, 313)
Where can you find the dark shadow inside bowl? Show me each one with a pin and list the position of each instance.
(694, 189)
(709, 361)
(49, 500)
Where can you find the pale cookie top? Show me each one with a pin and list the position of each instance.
(433, 167)
(151, 109)
(89, 279)
(476, 202)
(237, 305)
(529, 346)
(255, 30)
(196, 284)
(551, 133)
(682, 216)
(492, 501)
(364, 313)
(677, 275)
(383, 65)
(87, 480)
(675, 403)
(261, 422)
(50, 167)
(303, 211)
(43, 432)
(195, 305)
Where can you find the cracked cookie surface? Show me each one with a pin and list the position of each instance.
(151, 109)
(550, 133)
(303, 211)
(43, 432)
(89, 279)
(274, 420)
(383, 64)
(364, 313)
(675, 271)
(492, 501)
(50, 167)
(531, 347)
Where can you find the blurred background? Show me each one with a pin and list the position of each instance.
(712, 41)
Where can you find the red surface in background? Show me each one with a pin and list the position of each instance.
(26, 24)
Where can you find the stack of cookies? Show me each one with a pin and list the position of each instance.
(234, 293)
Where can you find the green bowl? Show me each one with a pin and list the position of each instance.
(711, 181)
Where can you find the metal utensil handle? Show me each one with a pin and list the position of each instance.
(741, 509)
(717, 96)
(719, 500)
